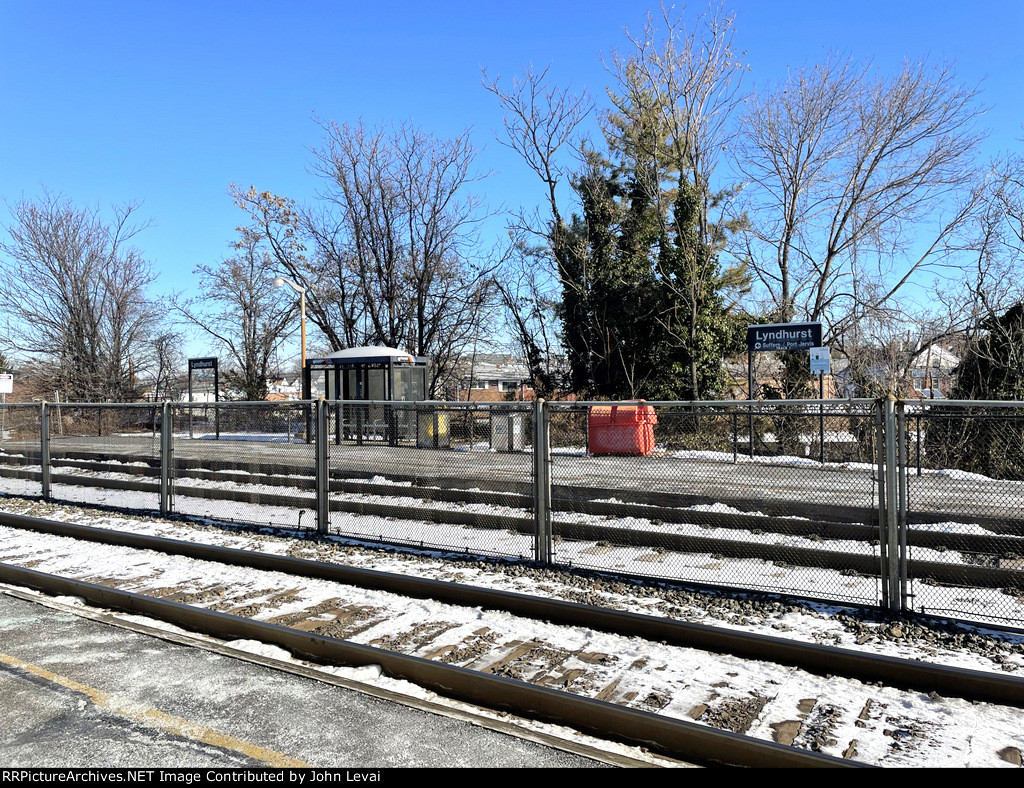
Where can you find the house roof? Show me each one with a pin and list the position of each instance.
(509, 370)
(937, 357)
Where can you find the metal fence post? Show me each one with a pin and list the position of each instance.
(892, 494)
(541, 482)
(821, 416)
(901, 509)
(750, 424)
(44, 448)
(323, 470)
(879, 416)
(919, 443)
(166, 460)
(735, 440)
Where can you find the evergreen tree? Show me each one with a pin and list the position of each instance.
(643, 307)
(645, 303)
(994, 366)
(992, 370)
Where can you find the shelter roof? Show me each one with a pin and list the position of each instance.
(366, 355)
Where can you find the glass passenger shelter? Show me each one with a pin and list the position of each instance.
(375, 374)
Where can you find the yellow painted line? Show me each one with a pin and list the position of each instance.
(157, 719)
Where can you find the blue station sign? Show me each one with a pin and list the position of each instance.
(783, 336)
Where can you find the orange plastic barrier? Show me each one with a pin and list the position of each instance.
(621, 429)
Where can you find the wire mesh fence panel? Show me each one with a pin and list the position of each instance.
(673, 490)
(450, 476)
(964, 477)
(20, 441)
(106, 454)
(251, 462)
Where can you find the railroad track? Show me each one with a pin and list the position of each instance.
(760, 530)
(845, 503)
(540, 659)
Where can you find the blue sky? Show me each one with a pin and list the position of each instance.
(168, 104)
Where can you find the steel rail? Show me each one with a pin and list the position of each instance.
(784, 517)
(822, 660)
(666, 511)
(865, 564)
(670, 736)
(798, 556)
(564, 497)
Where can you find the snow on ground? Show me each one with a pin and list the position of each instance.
(443, 564)
(262, 437)
(978, 604)
(808, 462)
(958, 733)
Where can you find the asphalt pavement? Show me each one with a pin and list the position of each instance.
(77, 692)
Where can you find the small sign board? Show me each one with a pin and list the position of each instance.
(821, 362)
(202, 363)
(783, 336)
(6, 384)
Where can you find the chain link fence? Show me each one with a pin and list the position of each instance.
(906, 506)
(434, 475)
(21, 450)
(679, 491)
(251, 462)
(964, 501)
(105, 454)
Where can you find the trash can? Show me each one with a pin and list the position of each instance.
(432, 429)
(508, 430)
(621, 429)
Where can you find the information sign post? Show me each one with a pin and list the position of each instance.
(821, 363)
(6, 387)
(205, 367)
(780, 337)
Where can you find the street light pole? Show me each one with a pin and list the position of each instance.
(302, 314)
(280, 281)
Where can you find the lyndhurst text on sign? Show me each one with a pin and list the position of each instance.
(784, 336)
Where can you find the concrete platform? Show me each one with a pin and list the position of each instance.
(800, 490)
(79, 692)
(952, 495)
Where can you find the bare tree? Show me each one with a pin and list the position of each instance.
(168, 363)
(982, 303)
(994, 247)
(286, 232)
(78, 296)
(966, 308)
(241, 308)
(529, 297)
(542, 124)
(542, 120)
(857, 184)
(685, 76)
(398, 239)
